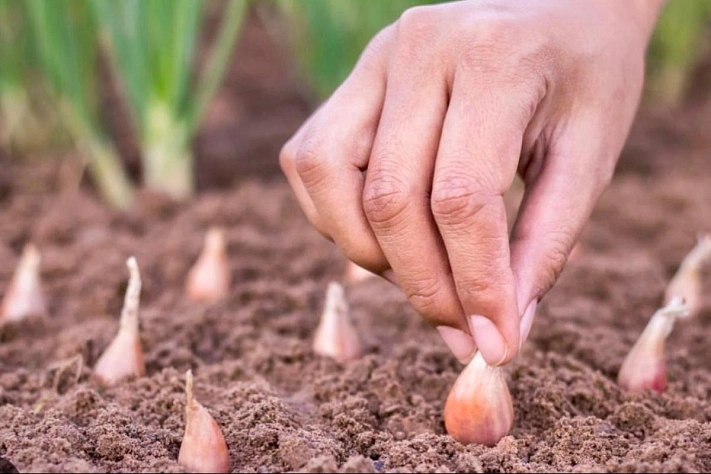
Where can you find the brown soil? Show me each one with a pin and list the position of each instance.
(283, 408)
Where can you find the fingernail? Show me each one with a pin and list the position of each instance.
(527, 321)
(390, 276)
(460, 343)
(489, 340)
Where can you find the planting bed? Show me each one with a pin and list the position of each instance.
(283, 408)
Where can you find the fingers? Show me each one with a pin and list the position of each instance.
(325, 160)
(396, 200)
(287, 162)
(476, 163)
(558, 201)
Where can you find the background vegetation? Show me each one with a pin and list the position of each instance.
(50, 69)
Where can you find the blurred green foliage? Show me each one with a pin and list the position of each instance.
(21, 112)
(49, 52)
(681, 37)
(16, 54)
(327, 36)
(65, 36)
(153, 46)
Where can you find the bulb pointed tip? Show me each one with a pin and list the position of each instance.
(215, 238)
(336, 336)
(189, 387)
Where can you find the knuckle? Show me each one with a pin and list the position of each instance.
(423, 294)
(473, 288)
(287, 156)
(309, 159)
(416, 26)
(496, 29)
(456, 199)
(379, 43)
(555, 260)
(496, 52)
(481, 290)
(485, 46)
(473, 61)
(385, 198)
(373, 58)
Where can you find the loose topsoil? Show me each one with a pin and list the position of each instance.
(283, 408)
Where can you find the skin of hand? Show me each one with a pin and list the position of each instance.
(405, 165)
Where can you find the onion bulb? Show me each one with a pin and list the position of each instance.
(335, 336)
(479, 409)
(24, 296)
(210, 278)
(203, 448)
(686, 283)
(124, 356)
(645, 368)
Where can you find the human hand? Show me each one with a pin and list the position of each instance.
(404, 167)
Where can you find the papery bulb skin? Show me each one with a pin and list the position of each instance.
(479, 409)
(644, 368)
(355, 273)
(124, 356)
(210, 278)
(203, 448)
(24, 296)
(686, 282)
(336, 336)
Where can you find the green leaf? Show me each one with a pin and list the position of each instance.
(153, 45)
(328, 36)
(219, 59)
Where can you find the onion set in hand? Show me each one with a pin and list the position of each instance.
(479, 409)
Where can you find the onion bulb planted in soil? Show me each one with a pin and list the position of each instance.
(210, 277)
(686, 283)
(203, 448)
(645, 366)
(124, 356)
(24, 296)
(336, 336)
(479, 409)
